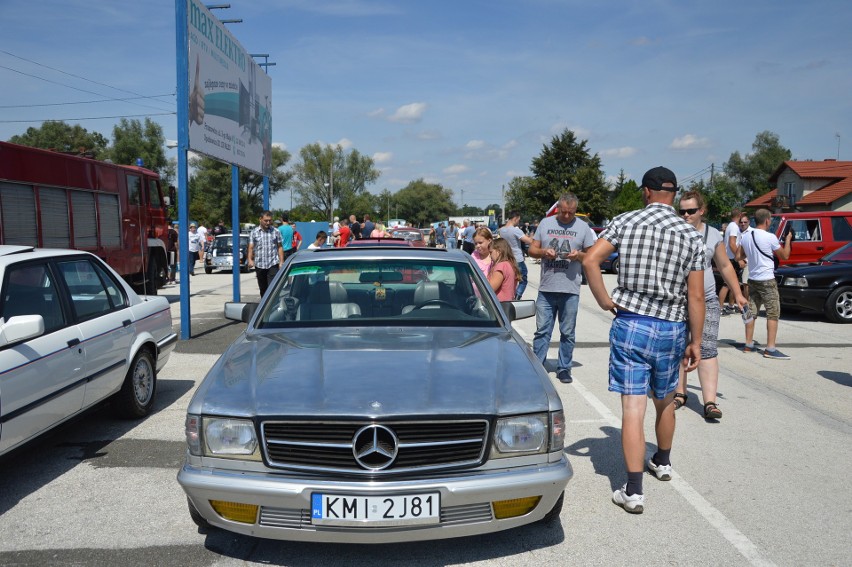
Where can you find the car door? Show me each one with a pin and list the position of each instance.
(42, 380)
(808, 245)
(104, 321)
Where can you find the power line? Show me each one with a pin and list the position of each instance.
(83, 102)
(89, 118)
(70, 75)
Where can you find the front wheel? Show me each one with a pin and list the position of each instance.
(553, 515)
(838, 306)
(196, 516)
(208, 270)
(615, 266)
(136, 396)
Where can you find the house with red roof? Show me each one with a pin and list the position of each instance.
(808, 186)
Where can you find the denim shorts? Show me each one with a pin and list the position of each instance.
(645, 355)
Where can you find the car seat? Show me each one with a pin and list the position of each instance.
(327, 300)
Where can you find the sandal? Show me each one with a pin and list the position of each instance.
(711, 411)
(677, 400)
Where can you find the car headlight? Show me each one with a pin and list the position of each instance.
(794, 282)
(521, 434)
(230, 438)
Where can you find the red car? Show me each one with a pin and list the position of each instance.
(380, 242)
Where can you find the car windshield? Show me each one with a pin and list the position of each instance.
(222, 244)
(371, 292)
(843, 254)
(408, 234)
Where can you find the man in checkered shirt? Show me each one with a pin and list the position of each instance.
(265, 252)
(660, 288)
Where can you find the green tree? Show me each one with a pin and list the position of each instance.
(421, 203)
(520, 196)
(210, 188)
(567, 166)
(326, 176)
(132, 140)
(720, 197)
(751, 173)
(626, 196)
(61, 136)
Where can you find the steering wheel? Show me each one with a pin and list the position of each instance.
(436, 302)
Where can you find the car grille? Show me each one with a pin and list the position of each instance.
(295, 519)
(328, 446)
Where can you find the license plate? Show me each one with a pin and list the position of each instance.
(222, 262)
(408, 509)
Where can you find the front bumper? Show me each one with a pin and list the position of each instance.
(812, 299)
(285, 501)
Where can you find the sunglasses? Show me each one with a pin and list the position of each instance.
(688, 211)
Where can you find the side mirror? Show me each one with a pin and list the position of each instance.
(516, 310)
(21, 328)
(240, 311)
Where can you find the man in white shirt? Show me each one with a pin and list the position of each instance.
(758, 247)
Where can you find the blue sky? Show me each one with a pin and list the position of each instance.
(466, 93)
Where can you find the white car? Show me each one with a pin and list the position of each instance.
(73, 334)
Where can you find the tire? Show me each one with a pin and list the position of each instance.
(196, 516)
(208, 270)
(149, 284)
(838, 306)
(615, 265)
(553, 515)
(136, 397)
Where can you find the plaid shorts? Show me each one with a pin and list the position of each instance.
(645, 355)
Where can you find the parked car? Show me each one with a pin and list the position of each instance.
(824, 286)
(287, 441)
(413, 235)
(815, 234)
(73, 334)
(219, 253)
(611, 264)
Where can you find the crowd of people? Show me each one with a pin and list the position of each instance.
(666, 305)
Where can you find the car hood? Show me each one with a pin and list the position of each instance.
(812, 268)
(375, 373)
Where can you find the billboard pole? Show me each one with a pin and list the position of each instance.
(235, 230)
(182, 56)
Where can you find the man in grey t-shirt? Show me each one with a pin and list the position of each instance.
(560, 242)
(514, 236)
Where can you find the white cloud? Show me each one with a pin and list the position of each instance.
(475, 145)
(510, 145)
(382, 157)
(690, 142)
(429, 135)
(624, 152)
(279, 145)
(376, 113)
(345, 143)
(456, 169)
(409, 113)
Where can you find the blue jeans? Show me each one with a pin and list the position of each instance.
(522, 285)
(548, 306)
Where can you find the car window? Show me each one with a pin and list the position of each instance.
(30, 289)
(841, 229)
(93, 292)
(379, 293)
(805, 230)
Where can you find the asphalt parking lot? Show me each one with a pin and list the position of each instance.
(765, 485)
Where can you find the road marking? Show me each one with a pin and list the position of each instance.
(716, 519)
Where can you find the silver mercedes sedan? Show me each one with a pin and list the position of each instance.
(377, 395)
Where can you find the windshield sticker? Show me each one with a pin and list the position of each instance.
(305, 270)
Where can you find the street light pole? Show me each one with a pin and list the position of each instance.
(331, 192)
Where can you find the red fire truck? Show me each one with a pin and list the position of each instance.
(53, 200)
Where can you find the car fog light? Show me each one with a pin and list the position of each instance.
(236, 512)
(516, 507)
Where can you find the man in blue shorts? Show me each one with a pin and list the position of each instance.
(661, 280)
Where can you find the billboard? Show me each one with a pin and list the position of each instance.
(230, 97)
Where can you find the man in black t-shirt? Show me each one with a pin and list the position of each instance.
(354, 227)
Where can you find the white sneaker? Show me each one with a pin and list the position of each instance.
(662, 472)
(634, 504)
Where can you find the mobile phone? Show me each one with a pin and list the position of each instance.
(747, 316)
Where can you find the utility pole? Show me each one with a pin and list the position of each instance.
(462, 203)
(712, 169)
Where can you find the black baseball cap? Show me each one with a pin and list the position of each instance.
(657, 178)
